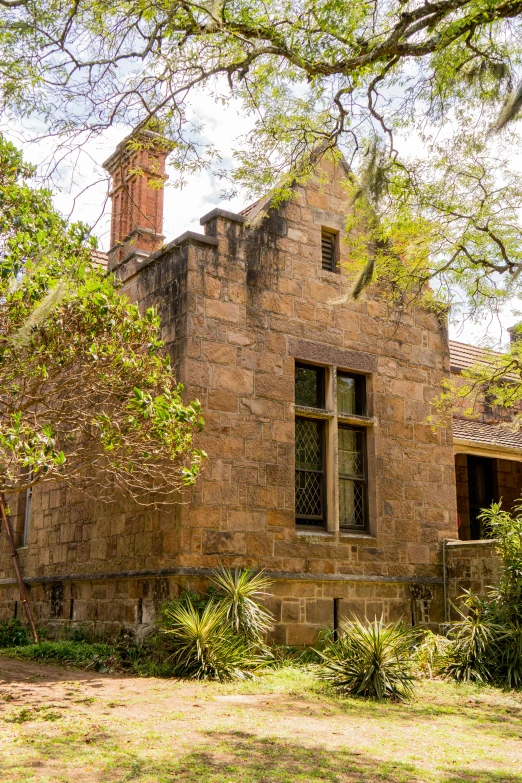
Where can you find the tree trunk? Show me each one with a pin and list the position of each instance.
(18, 571)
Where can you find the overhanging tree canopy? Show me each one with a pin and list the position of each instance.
(85, 389)
(315, 75)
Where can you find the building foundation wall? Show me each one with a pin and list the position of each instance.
(301, 608)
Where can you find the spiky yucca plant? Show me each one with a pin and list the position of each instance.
(370, 659)
(478, 641)
(203, 645)
(239, 592)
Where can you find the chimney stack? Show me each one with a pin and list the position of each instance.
(137, 169)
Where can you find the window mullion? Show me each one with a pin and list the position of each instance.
(332, 482)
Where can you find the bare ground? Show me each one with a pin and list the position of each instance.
(79, 727)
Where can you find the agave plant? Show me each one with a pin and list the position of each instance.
(239, 592)
(203, 645)
(370, 659)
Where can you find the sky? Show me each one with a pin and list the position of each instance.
(80, 191)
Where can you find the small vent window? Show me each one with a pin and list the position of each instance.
(329, 250)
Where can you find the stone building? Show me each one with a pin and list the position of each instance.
(321, 467)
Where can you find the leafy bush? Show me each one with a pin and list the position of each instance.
(486, 643)
(202, 644)
(13, 633)
(239, 593)
(431, 653)
(285, 655)
(370, 659)
(79, 633)
(98, 656)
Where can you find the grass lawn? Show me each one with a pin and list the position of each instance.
(74, 726)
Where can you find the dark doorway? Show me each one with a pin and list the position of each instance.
(481, 493)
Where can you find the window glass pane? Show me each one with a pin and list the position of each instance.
(308, 495)
(308, 444)
(351, 461)
(309, 476)
(350, 393)
(309, 386)
(351, 503)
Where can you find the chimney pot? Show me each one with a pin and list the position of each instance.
(137, 170)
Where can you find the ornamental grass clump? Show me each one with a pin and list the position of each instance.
(370, 659)
(202, 644)
(240, 593)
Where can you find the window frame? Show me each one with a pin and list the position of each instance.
(323, 518)
(355, 479)
(334, 420)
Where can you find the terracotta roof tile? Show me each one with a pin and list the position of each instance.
(463, 355)
(486, 434)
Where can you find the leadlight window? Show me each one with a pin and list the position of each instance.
(352, 479)
(309, 471)
(330, 448)
(329, 250)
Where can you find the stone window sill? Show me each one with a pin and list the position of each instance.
(321, 533)
(314, 413)
(351, 534)
(355, 534)
(327, 274)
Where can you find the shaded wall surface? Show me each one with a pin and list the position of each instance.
(470, 565)
(505, 485)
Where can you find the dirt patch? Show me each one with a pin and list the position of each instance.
(73, 726)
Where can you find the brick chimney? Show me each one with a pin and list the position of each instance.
(137, 169)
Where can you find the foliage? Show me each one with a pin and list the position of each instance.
(370, 659)
(486, 643)
(430, 653)
(506, 529)
(292, 656)
(239, 593)
(202, 644)
(476, 641)
(86, 388)
(97, 655)
(13, 633)
(319, 77)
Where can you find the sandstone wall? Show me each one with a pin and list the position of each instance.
(470, 565)
(239, 306)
